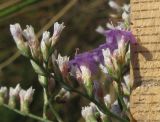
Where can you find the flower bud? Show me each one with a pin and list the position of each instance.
(122, 46)
(57, 31)
(43, 80)
(45, 45)
(26, 97)
(16, 32)
(33, 42)
(110, 61)
(3, 94)
(37, 68)
(13, 94)
(115, 85)
(63, 64)
(86, 78)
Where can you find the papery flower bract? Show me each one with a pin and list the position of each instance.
(86, 79)
(62, 62)
(3, 94)
(110, 62)
(45, 45)
(57, 31)
(26, 97)
(33, 42)
(13, 94)
(122, 50)
(16, 32)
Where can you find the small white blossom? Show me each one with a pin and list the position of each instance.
(26, 97)
(62, 62)
(57, 31)
(13, 92)
(16, 31)
(46, 36)
(107, 58)
(45, 45)
(86, 73)
(29, 33)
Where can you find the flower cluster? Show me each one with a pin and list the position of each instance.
(12, 96)
(109, 96)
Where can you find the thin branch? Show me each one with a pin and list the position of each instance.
(27, 114)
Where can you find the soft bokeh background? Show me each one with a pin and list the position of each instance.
(81, 18)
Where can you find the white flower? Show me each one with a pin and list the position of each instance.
(29, 33)
(46, 37)
(86, 74)
(16, 31)
(45, 45)
(57, 31)
(62, 63)
(87, 111)
(26, 95)
(13, 92)
(107, 58)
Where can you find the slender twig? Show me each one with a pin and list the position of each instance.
(46, 27)
(27, 114)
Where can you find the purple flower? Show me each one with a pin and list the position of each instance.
(92, 58)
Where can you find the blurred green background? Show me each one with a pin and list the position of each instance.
(81, 18)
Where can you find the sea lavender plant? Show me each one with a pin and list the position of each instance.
(110, 59)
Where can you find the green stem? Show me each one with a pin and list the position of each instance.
(27, 114)
(55, 113)
(45, 98)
